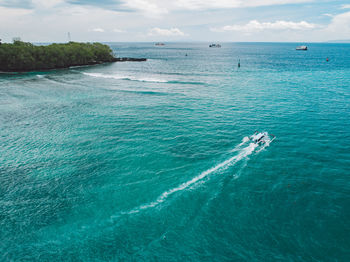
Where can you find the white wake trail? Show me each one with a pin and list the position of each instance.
(245, 152)
(244, 140)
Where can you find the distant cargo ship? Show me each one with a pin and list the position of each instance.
(303, 47)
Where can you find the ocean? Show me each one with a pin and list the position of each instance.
(152, 161)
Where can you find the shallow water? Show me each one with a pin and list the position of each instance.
(150, 161)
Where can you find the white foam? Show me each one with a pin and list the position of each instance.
(149, 79)
(244, 140)
(267, 143)
(99, 75)
(125, 77)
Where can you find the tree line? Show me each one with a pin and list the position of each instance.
(22, 56)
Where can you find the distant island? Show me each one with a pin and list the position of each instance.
(21, 56)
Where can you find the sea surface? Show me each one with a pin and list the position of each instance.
(152, 161)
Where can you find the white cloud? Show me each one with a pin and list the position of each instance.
(329, 15)
(99, 30)
(117, 30)
(208, 4)
(255, 25)
(165, 32)
(46, 4)
(345, 7)
(159, 8)
(13, 12)
(53, 19)
(339, 28)
(149, 7)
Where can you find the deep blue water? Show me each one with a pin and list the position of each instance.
(150, 161)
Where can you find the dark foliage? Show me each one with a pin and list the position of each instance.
(21, 56)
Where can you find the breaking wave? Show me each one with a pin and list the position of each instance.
(142, 79)
(121, 77)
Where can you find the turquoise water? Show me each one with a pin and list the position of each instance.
(150, 161)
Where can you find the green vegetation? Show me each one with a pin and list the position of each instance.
(21, 56)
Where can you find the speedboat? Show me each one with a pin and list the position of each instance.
(261, 138)
(303, 47)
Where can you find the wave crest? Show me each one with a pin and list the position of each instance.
(131, 78)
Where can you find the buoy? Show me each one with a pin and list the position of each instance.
(327, 59)
(239, 62)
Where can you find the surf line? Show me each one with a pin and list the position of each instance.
(244, 153)
(125, 77)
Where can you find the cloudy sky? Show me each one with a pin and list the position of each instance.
(175, 20)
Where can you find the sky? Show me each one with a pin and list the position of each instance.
(175, 20)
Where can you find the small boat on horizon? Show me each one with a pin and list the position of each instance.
(215, 45)
(159, 44)
(302, 47)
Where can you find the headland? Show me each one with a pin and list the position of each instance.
(23, 57)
